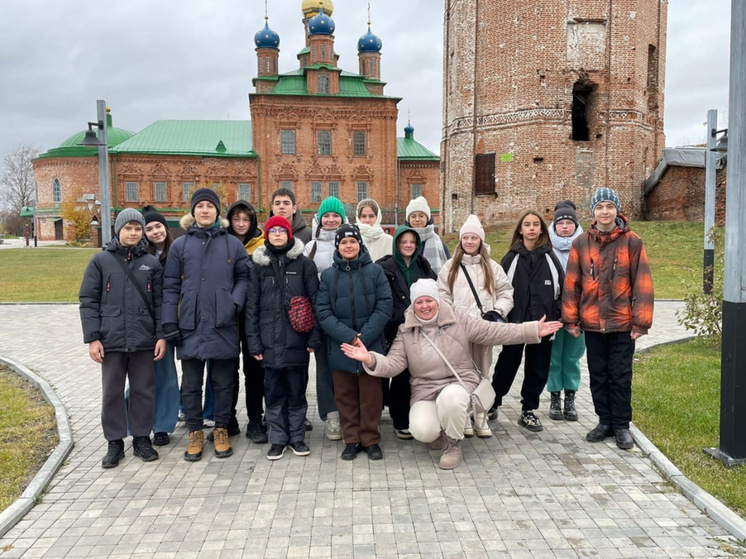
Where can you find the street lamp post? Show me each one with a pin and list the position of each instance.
(102, 142)
(710, 188)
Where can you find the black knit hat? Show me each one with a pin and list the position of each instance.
(347, 230)
(151, 214)
(205, 195)
(565, 209)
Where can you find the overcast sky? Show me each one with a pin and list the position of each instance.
(193, 59)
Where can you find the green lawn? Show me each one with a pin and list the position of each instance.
(676, 403)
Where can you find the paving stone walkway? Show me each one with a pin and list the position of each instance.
(519, 494)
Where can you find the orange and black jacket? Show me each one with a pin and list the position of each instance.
(608, 285)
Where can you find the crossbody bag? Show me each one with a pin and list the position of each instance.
(490, 316)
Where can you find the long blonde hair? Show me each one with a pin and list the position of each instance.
(489, 275)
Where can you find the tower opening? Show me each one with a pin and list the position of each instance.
(581, 93)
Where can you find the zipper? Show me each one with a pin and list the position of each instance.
(593, 272)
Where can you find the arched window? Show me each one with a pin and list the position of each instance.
(56, 190)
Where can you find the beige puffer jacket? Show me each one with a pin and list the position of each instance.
(452, 332)
(462, 298)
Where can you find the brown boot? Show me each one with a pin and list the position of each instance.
(222, 443)
(451, 456)
(195, 445)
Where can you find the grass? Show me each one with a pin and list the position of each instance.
(676, 402)
(27, 434)
(42, 274)
(674, 251)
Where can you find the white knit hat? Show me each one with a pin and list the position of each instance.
(424, 287)
(472, 225)
(419, 204)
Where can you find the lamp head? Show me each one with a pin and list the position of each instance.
(722, 145)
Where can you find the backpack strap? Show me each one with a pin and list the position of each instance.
(555, 275)
(134, 282)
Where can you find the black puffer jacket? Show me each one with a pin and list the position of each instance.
(537, 286)
(268, 329)
(111, 308)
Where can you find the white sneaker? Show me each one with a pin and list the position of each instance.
(333, 426)
(208, 423)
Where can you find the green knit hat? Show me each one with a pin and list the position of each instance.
(332, 204)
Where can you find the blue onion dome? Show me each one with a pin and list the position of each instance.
(409, 129)
(321, 24)
(369, 42)
(266, 38)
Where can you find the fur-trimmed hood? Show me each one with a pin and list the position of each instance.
(261, 254)
(188, 220)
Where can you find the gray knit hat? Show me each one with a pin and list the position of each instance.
(125, 217)
(605, 195)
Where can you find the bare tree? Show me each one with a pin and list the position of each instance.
(17, 185)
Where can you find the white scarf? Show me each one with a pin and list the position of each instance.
(433, 250)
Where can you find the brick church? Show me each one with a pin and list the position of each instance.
(317, 129)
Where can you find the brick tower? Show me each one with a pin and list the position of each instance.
(549, 100)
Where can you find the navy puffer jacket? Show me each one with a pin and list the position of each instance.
(204, 288)
(268, 328)
(111, 308)
(354, 297)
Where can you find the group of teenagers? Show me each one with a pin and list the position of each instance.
(392, 321)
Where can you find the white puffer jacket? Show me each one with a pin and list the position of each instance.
(462, 298)
(323, 255)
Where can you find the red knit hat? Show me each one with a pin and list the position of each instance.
(277, 221)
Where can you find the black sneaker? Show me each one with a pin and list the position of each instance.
(374, 452)
(624, 439)
(492, 414)
(256, 431)
(351, 451)
(599, 433)
(160, 438)
(307, 424)
(529, 420)
(142, 448)
(114, 454)
(300, 448)
(276, 451)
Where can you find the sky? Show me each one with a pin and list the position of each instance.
(193, 59)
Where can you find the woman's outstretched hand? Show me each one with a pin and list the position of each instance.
(358, 352)
(547, 328)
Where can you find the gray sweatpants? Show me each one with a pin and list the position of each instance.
(139, 368)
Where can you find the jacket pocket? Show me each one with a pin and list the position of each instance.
(109, 320)
(225, 310)
(187, 310)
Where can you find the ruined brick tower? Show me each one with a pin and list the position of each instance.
(548, 100)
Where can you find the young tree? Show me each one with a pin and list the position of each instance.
(74, 210)
(17, 185)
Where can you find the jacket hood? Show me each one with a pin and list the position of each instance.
(540, 251)
(261, 255)
(446, 317)
(297, 223)
(254, 230)
(188, 221)
(395, 249)
(563, 243)
(362, 259)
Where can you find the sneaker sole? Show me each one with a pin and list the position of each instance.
(108, 466)
(334, 437)
(192, 457)
(627, 446)
(556, 417)
(532, 428)
(146, 458)
(163, 442)
(301, 453)
(275, 457)
(484, 434)
(404, 437)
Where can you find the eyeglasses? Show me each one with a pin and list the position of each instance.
(277, 230)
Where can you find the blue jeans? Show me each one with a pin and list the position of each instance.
(324, 382)
(167, 397)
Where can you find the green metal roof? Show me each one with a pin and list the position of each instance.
(212, 138)
(294, 83)
(411, 150)
(70, 147)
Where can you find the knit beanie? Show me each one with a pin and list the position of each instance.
(565, 209)
(151, 214)
(332, 204)
(419, 204)
(125, 217)
(424, 287)
(347, 230)
(277, 221)
(605, 195)
(205, 195)
(472, 225)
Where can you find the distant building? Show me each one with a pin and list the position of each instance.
(318, 130)
(549, 100)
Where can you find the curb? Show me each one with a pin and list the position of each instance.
(10, 516)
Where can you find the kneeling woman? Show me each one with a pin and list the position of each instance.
(439, 401)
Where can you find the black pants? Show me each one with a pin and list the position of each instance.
(139, 368)
(610, 367)
(535, 372)
(192, 371)
(285, 393)
(399, 395)
(253, 376)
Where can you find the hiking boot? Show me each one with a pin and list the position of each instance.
(623, 439)
(373, 451)
(256, 431)
(555, 406)
(492, 414)
(481, 428)
(333, 426)
(194, 446)
(300, 448)
(437, 444)
(114, 454)
(351, 451)
(222, 443)
(161, 438)
(571, 413)
(403, 434)
(275, 451)
(529, 420)
(599, 433)
(141, 447)
(307, 424)
(451, 456)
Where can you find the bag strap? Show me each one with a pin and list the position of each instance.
(443, 357)
(137, 285)
(555, 275)
(474, 291)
